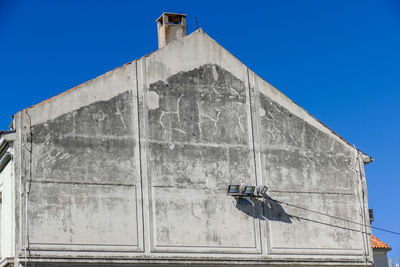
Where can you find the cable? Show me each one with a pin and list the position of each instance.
(328, 215)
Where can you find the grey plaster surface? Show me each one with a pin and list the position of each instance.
(133, 166)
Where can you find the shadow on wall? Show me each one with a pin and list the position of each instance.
(264, 209)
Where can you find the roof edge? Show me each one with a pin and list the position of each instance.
(366, 158)
(379, 244)
(104, 74)
(5, 138)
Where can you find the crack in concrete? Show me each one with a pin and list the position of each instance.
(122, 118)
(177, 113)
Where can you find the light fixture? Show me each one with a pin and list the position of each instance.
(262, 190)
(243, 190)
(233, 189)
(249, 190)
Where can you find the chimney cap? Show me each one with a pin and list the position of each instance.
(172, 17)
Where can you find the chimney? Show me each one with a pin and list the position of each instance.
(170, 27)
(371, 215)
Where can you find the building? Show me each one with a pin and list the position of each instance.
(380, 250)
(132, 168)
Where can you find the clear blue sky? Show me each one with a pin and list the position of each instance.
(340, 60)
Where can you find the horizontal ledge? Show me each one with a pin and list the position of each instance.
(311, 192)
(78, 183)
(88, 249)
(355, 249)
(190, 260)
(195, 144)
(80, 244)
(203, 247)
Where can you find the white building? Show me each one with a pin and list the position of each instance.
(380, 250)
(132, 168)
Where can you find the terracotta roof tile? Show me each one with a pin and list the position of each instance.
(376, 243)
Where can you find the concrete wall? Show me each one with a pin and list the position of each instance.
(380, 258)
(85, 191)
(133, 166)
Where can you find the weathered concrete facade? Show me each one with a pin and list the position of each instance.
(132, 168)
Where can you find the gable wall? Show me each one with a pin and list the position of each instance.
(204, 121)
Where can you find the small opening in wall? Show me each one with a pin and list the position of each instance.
(172, 19)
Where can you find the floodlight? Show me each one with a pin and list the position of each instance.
(263, 190)
(233, 189)
(249, 190)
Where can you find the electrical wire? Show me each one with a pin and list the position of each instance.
(328, 215)
(332, 216)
